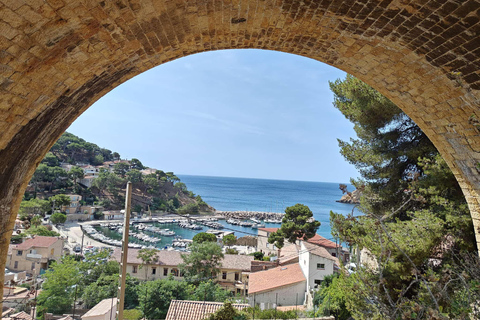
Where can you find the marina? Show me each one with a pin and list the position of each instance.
(170, 233)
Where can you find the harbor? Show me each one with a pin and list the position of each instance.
(176, 232)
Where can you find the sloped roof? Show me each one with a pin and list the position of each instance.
(321, 241)
(275, 278)
(174, 258)
(101, 308)
(195, 310)
(320, 252)
(21, 315)
(289, 254)
(316, 239)
(37, 241)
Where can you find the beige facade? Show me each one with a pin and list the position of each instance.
(74, 205)
(34, 254)
(233, 274)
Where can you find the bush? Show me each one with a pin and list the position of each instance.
(191, 208)
(272, 314)
(132, 314)
(231, 251)
(257, 255)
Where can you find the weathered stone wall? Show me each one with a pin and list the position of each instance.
(57, 57)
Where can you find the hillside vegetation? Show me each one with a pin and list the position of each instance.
(75, 166)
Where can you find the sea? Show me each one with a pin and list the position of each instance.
(261, 195)
(267, 195)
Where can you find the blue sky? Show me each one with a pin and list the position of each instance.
(234, 113)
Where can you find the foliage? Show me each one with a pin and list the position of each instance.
(202, 262)
(258, 255)
(298, 223)
(105, 287)
(148, 256)
(132, 314)
(191, 208)
(204, 237)
(330, 298)
(409, 194)
(58, 217)
(36, 220)
(34, 207)
(134, 176)
(76, 173)
(229, 240)
(231, 251)
(210, 291)
(59, 200)
(227, 312)
(136, 164)
(108, 181)
(41, 231)
(58, 289)
(155, 296)
(271, 313)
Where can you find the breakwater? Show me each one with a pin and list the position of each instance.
(245, 215)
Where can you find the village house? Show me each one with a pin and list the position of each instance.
(280, 286)
(74, 205)
(233, 275)
(302, 268)
(34, 254)
(334, 249)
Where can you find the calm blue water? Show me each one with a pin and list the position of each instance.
(242, 194)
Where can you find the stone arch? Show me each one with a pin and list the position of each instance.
(59, 56)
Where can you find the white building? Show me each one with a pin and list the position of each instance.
(280, 286)
(316, 263)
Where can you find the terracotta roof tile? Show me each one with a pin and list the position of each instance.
(275, 278)
(21, 315)
(316, 239)
(38, 241)
(195, 310)
(321, 241)
(174, 258)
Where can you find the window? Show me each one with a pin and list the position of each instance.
(52, 252)
(165, 271)
(33, 266)
(19, 252)
(334, 254)
(174, 272)
(134, 269)
(15, 266)
(321, 266)
(154, 270)
(318, 282)
(237, 276)
(224, 275)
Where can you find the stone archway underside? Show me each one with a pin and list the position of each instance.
(59, 56)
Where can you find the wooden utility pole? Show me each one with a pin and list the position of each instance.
(124, 256)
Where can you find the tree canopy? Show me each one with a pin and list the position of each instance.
(298, 223)
(202, 262)
(409, 193)
(204, 237)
